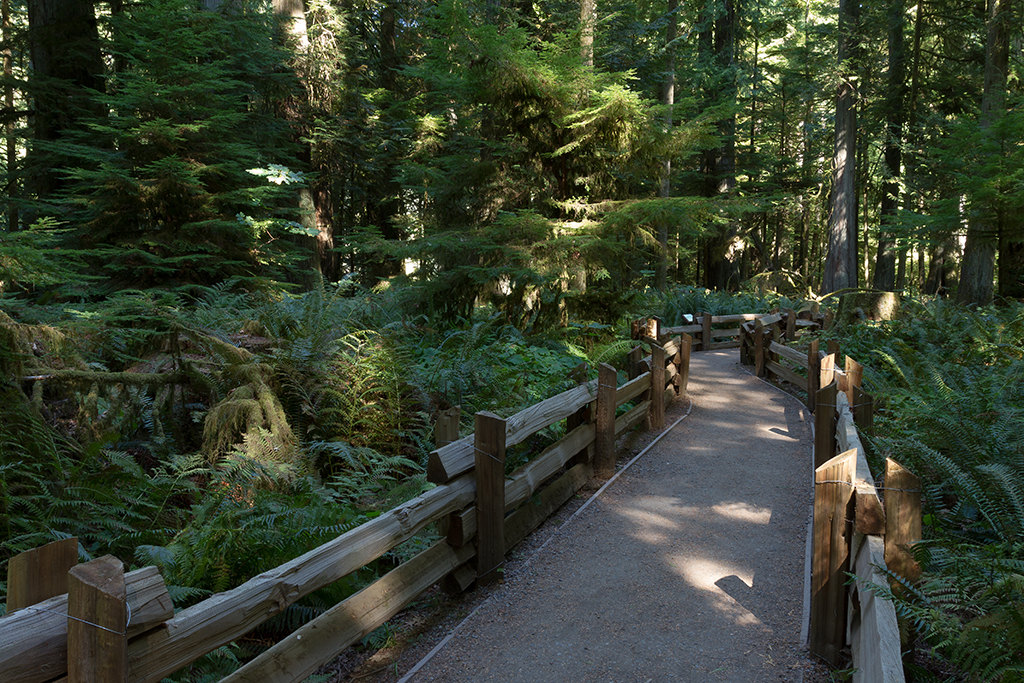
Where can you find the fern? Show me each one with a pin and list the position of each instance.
(953, 380)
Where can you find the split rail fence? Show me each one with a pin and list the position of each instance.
(855, 531)
(94, 623)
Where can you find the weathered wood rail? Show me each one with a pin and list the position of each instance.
(708, 334)
(482, 514)
(481, 510)
(855, 531)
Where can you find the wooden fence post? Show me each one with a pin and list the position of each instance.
(705, 338)
(654, 329)
(604, 440)
(863, 408)
(97, 622)
(776, 336)
(41, 573)
(813, 375)
(746, 341)
(633, 359)
(580, 417)
(825, 424)
(854, 378)
(759, 337)
(677, 360)
(489, 449)
(833, 514)
(446, 429)
(686, 345)
(657, 386)
(827, 370)
(790, 324)
(902, 520)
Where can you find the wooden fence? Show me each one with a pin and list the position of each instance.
(855, 531)
(68, 614)
(714, 332)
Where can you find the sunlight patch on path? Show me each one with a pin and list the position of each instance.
(703, 573)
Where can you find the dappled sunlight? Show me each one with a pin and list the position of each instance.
(705, 574)
(643, 513)
(744, 512)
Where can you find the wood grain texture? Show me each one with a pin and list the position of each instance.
(224, 617)
(631, 418)
(444, 464)
(657, 387)
(490, 496)
(875, 638)
(97, 621)
(604, 444)
(854, 378)
(633, 388)
(870, 516)
(813, 375)
(789, 353)
(34, 643)
(321, 640)
(787, 373)
(830, 555)
(902, 520)
(825, 424)
(41, 573)
(684, 367)
(827, 369)
(446, 429)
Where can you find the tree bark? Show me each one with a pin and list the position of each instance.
(10, 183)
(977, 270)
(720, 268)
(588, 11)
(668, 99)
(67, 67)
(885, 263)
(841, 259)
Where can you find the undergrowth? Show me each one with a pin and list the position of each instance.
(952, 382)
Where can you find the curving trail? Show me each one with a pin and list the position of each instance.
(689, 567)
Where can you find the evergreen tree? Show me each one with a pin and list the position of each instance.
(172, 187)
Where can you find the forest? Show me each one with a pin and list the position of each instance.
(249, 250)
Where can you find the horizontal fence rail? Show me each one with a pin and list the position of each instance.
(480, 510)
(482, 513)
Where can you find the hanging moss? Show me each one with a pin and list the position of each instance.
(252, 421)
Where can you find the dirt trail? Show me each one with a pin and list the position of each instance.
(689, 567)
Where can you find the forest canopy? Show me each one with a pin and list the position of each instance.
(510, 152)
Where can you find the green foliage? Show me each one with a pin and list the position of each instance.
(953, 382)
(165, 187)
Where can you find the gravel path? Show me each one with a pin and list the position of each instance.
(689, 567)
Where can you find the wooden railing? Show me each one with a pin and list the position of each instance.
(708, 334)
(479, 509)
(855, 530)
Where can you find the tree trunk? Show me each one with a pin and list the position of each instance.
(941, 269)
(978, 267)
(841, 259)
(292, 14)
(885, 263)
(67, 67)
(10, 184)
(588, 11)
(668, 98)
(721, 269)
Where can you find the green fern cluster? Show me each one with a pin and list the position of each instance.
(953, 384)
(680, 301)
